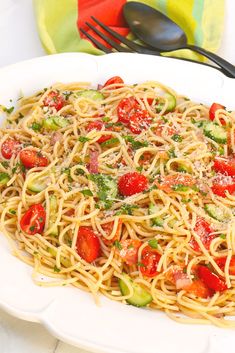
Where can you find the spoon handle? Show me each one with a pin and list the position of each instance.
(225, 65)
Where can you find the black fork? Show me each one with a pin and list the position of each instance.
(130, 46)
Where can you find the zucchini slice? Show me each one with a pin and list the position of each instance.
(171, 102)
(215, 132)
(140, 296)
(91, 94)
(39, 184)
(64, 260)
(156, 221)
(55, 123)
(217, 212)
(4, 178)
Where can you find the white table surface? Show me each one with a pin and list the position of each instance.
(19, 41)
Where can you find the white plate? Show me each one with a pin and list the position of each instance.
(69, 313)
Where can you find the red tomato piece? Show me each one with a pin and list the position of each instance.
(211, 280)
(168, 182)
(213, 109)
(225, 166)
(31, 159)
(149, 262)
(33, 220)
(10, 147)
(223, 183)
(170, 130)
(54, 100)
(98, 125)
(139, 121)
(126, 107)
(204, 231)
(108, 228)
(88, 244)
(114, 80)
(199, 289)
(221, 261)
(132, 183)
(129, 250)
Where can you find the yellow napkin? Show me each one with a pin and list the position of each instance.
(59, 22)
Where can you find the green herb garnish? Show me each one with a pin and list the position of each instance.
(36, 127)
(177, 138)
(83, 139)
(153, 243)
(117, 244)
(111, 141)
(135, 144)
(86, 192)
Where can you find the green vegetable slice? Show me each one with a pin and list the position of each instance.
(4, 178)
(140, 296)
(216, 212)
(157, 221)
(39, 184)
(55, 123)
(215, 132)
(171, 102)
(91, 94)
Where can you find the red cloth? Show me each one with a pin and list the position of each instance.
(107, 11)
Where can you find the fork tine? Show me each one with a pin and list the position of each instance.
(130, 44)
(108, 40)
(98, 44)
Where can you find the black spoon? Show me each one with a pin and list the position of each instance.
(160, 32)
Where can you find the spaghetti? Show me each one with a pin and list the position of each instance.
(127, 190)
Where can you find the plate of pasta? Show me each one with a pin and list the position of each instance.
(117, 178)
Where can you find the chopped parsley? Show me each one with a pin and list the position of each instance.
(171, 153)
(36, 127)
(107, 189)
(135, 144)
(56, 269)
(83, 139)
(105, 119)
(118, 245)
(32, 228)
(153, 243)
(111, 141)
(19, 167)
(67, 94)
(180, 187)
(86, 192)
(68, 172)
(5, 164)
(126, 209)
(139, 169)
(177, 138)
(11, 211)
(223, 236)
(8, 110)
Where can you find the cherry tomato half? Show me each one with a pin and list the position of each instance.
(210, 279)
(88, 244)
(54, 100)
(221, 261)
(114, 80)
(132, 183)
(205, 233)
(213, 109)
(98, 125)
(149, 262)
(31, 159)
(225, 166)
(10, 147)
(33, 220)
(126, 107)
